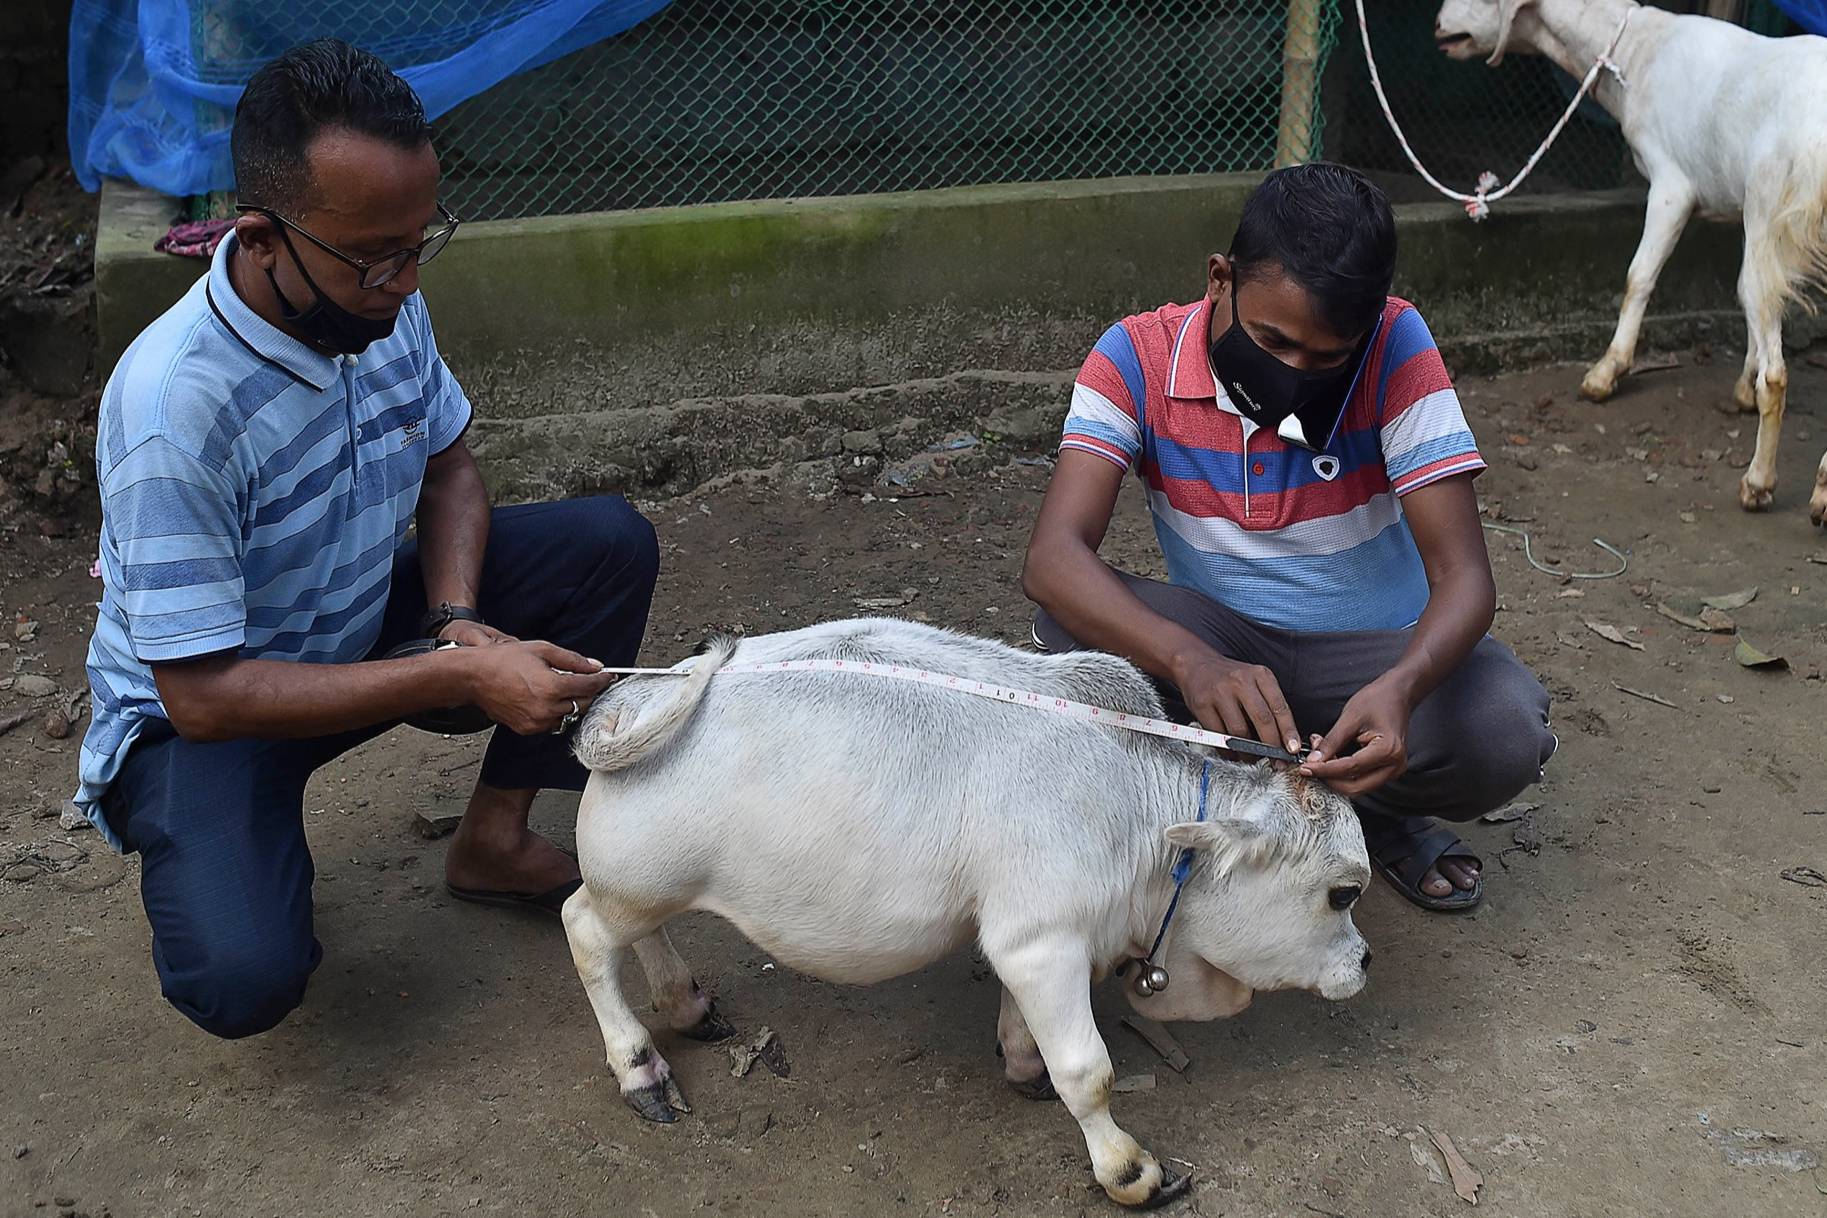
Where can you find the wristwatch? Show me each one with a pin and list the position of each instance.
(433, 624)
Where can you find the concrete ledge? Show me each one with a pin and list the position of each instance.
(604, 319)
(133, 282)
(814, 295)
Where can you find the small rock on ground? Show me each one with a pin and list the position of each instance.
(432, 825)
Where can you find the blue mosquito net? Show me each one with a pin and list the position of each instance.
(153, 83)
(1811, 15)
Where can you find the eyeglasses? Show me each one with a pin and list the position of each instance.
(374, 272)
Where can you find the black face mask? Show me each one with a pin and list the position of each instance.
(325, 322)
(1304, 408)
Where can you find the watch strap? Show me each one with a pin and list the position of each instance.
(438, 620)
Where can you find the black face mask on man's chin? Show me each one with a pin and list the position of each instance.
(325, 322)
(1303, 408)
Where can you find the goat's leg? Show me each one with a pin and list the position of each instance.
(1762, 286)
(1817, 503)
(689, 1011)
(1670, 204)
(1744, 393)
(1051, 983)
(600, 936)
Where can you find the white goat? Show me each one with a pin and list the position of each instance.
(1721, 121)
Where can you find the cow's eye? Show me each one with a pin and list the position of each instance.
(1343, 897)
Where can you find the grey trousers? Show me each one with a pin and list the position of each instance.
(1473, 744)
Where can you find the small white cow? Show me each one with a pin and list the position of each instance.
(858, 828)
(1721, 121)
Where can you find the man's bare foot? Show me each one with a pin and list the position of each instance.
(1424, 861)
(494, 851)
(1449, 874)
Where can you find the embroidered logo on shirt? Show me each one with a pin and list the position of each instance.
(412, 432)
(1326, 466)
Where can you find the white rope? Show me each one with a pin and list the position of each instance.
(1478, 204)
(1027, 699)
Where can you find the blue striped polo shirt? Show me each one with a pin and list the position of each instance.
(1294, 538)
(253, 492)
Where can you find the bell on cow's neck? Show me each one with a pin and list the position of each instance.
(1150, 979)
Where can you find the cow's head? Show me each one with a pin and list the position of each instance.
(1280, 864)
(1466, 29)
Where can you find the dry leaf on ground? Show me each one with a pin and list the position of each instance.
(1730, 600)
(1750, 657)
(1427, 1162)
(1697, 616)
(1466, 1180)
(1607, 631)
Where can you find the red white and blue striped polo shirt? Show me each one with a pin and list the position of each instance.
(1296, 539)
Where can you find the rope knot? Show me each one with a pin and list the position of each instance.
(1478, 207)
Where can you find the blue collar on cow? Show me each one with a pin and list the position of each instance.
(1151, 978)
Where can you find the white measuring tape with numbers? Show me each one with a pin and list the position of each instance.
(1065, 707)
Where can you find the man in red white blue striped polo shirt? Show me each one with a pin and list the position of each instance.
(1310, 472)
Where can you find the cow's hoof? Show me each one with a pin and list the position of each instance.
(710, 1029)
(660, 1102)
(1040, 1088)
(1174, 1185)
(1753, 498)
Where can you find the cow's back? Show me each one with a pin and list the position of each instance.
(1097, 678)
(826, 791)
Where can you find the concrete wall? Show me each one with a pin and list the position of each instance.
(657, 348)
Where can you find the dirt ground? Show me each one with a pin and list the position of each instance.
(1631, 1024)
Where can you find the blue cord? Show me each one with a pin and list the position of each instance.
(1182, 868)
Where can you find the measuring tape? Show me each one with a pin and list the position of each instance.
(1084, 712)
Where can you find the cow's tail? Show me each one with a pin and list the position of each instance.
(615, 735)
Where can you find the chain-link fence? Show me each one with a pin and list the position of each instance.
(742, 99)
(715, 100)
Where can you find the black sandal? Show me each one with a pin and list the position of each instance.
(1403, 849)
(551, 902)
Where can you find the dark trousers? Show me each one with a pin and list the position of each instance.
(1473, 744)
(226, 872)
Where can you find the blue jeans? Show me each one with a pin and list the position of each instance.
(225, 870)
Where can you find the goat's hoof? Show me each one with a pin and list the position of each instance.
(1174, 1185)
(710, 1029)
(1040, 1088)
(1817, 511)
(1168, 1189)
(1752, 498)
(1598, 386)
(660, 1102)
(1744, 398)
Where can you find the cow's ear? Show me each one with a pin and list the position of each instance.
(1229, 841)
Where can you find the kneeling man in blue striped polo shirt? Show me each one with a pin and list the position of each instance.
(263, 449)
(1310, 476)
